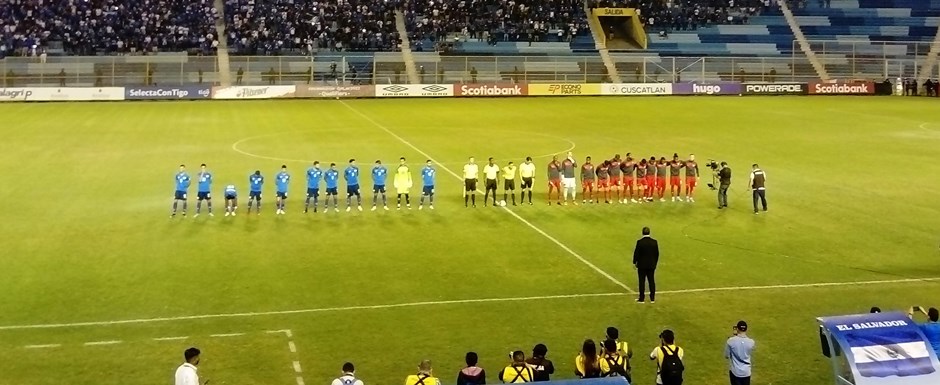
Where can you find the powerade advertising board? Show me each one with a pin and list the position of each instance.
(884, 349)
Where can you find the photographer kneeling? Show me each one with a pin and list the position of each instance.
(724, 181)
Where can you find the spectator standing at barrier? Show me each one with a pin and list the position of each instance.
(931, 328)
(473, 75)
(668, 356)
(587, 364)
(738, 353)
(757, 184)
(186, 373)
(424, 375)
(517, 371)
(239, 75)
(542, 367)
(62, 77)
(348, 377)
(645, 259)
(472, 374)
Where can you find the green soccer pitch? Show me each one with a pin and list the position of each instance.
(101, 287)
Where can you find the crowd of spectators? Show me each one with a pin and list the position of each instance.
(266, 27)
(88, 27)
(495, 20)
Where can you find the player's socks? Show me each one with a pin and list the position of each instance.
(408, 199)
(473, 199)
(530, 197)
(175, 203)
(466, 200)
(384, 199)
(513, 199)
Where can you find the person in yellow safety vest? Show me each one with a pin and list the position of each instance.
(518, 371)
(587, 364)
(424, 376)
(612, 363)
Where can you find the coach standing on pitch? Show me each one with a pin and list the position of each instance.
(645, 258)
(757, 182)
(724, 182)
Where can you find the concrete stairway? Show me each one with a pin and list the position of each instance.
(597, 31)
(225, 70)
(804, 44)
(927, 67)
(406, 54)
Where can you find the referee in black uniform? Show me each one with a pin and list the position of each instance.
(758, 182)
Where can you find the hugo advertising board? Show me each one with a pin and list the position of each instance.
(478, 90)
(842, 88)
(728, 88)
(308, 91)
(166, 93)
(775, 89)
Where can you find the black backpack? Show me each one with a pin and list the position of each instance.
(670, 371)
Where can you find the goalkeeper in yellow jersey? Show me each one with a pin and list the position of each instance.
(403, 183)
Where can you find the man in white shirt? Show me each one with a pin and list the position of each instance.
(471, 173)
(348, 377)
(527, 172)
(186, 373)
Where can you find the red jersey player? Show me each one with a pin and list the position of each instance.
(614, 171)
(675, 183)
(627, 168)
(554, 179)
(651, 179)
(661, 170)
(587, 181)
(603, 180)
(691, 178)
(641, 169)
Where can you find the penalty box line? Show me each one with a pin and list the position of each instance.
(506, 209)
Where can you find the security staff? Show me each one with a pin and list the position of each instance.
(424, 376)
(518, 371)
(724, 181)
(757, 184)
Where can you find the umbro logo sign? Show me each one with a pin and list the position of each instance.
(395, 89)
(435, 88)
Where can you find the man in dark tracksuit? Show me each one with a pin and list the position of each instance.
(757, 184)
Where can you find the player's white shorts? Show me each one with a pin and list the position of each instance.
(568, 183)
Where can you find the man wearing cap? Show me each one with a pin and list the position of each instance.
(738, 353)
(424, 376)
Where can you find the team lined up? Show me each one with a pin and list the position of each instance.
(624, 179)
(316, 176)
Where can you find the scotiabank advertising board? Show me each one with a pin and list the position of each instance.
(308, 91)
(842, 88)
(775, 89)
(726, 88)
(504, 89)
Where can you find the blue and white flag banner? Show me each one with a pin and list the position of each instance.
(885, 349)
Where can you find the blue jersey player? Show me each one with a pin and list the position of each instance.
(231, 200)
(204, 192)
(352, 184)
(331, 177)
(281, 180)
(314, 175)
(427, 176)
(182, 186)
(379, 176)
(255, 182)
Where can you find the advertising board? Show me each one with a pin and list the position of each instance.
(252, 92)
(167, 93)
(493, 89)
(637, 89)
(775, 89)
(564, 89)
(322, 91)
(414, 90)
(842, 88)
(726, 88)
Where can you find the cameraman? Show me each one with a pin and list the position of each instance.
(724, 181)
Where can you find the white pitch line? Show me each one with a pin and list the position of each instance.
(170, 338)
(300, 380)
(297, 367)
(521, 219)
(46, 346)
(798, 285)
(227, 335)
(292, 346)
(100, 343)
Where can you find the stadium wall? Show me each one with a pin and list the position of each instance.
(50, 94)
